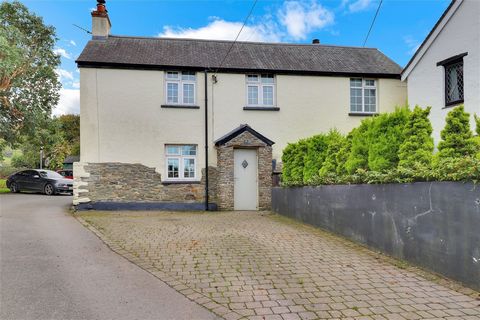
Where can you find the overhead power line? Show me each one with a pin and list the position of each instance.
(373, 22)
(238, 34)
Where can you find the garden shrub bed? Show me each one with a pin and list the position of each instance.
(393, 147)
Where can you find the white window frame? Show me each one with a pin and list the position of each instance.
(181, 157)
(364, 87)
(180, 82)
(260, 85)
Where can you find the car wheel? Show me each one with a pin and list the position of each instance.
(14, 188)
(49, 190)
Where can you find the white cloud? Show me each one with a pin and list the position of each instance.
(73, 43)
(64, 74)
(76, 84)
(62, 52)
(412, 44)
(356, 5)
(69, 102)
(300, 18)
(225, 30)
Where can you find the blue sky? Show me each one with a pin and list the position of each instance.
(399, 29)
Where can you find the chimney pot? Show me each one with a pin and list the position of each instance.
(315, 41)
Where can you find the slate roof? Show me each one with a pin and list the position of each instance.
(164, 53)
(239, 130)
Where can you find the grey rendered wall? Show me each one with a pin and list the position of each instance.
(435, 225)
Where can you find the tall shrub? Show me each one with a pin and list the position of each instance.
(293, 160)
(417, 148)
(315, 156)
(335, 144)
(343, 154)
(477, 124)
(457, 138)
(358, 155)
(386, 134)
(287, 161)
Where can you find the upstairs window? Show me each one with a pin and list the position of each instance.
(363, 95)
(454, 83)
(260, 90)
(180, 87)
(181, 162)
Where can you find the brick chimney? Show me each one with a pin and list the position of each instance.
(100, 21)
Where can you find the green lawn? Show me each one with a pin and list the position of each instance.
(3, 187)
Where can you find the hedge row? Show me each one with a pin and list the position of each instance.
(391, 147)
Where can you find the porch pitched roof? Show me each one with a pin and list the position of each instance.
(241, 129)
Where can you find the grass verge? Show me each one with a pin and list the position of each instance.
(3, 186)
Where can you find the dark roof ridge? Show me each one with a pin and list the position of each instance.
(245, 42)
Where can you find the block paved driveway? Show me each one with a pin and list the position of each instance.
(261, 266)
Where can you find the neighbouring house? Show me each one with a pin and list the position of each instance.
(156, 112)
(69, 161)
(445, 70)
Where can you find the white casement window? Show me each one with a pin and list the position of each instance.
(363, 95)
(180, 87)
(181, 162)
(260, 90)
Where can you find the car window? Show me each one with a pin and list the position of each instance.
(50, 174)
(30, 173)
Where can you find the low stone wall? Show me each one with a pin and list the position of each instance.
(100, 183)
(435, 225)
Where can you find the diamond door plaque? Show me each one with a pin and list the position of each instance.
(244, 164)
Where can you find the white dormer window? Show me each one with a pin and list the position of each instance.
(363, 95)
(260, 90)
(180, 87)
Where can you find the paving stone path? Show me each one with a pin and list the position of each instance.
(260, 266)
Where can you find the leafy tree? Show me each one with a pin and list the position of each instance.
(58, 140)
(385, 136)
(70, 127)
(417, 148)
(315, 156)
(28, 83)
(457, 138)
(335, 143)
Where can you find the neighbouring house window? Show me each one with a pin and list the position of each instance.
(260, 90)
(180, 87)
(181, 162)
(454, 83)
(363, 95)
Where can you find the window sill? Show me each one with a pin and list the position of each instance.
(362, 114)
(453, 104)
(179, 106)
(168, 182)
(261, 108)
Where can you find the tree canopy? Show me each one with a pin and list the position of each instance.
(29, 86)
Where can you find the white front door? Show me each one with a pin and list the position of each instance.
(245, 176)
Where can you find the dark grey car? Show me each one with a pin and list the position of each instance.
(45, 181)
